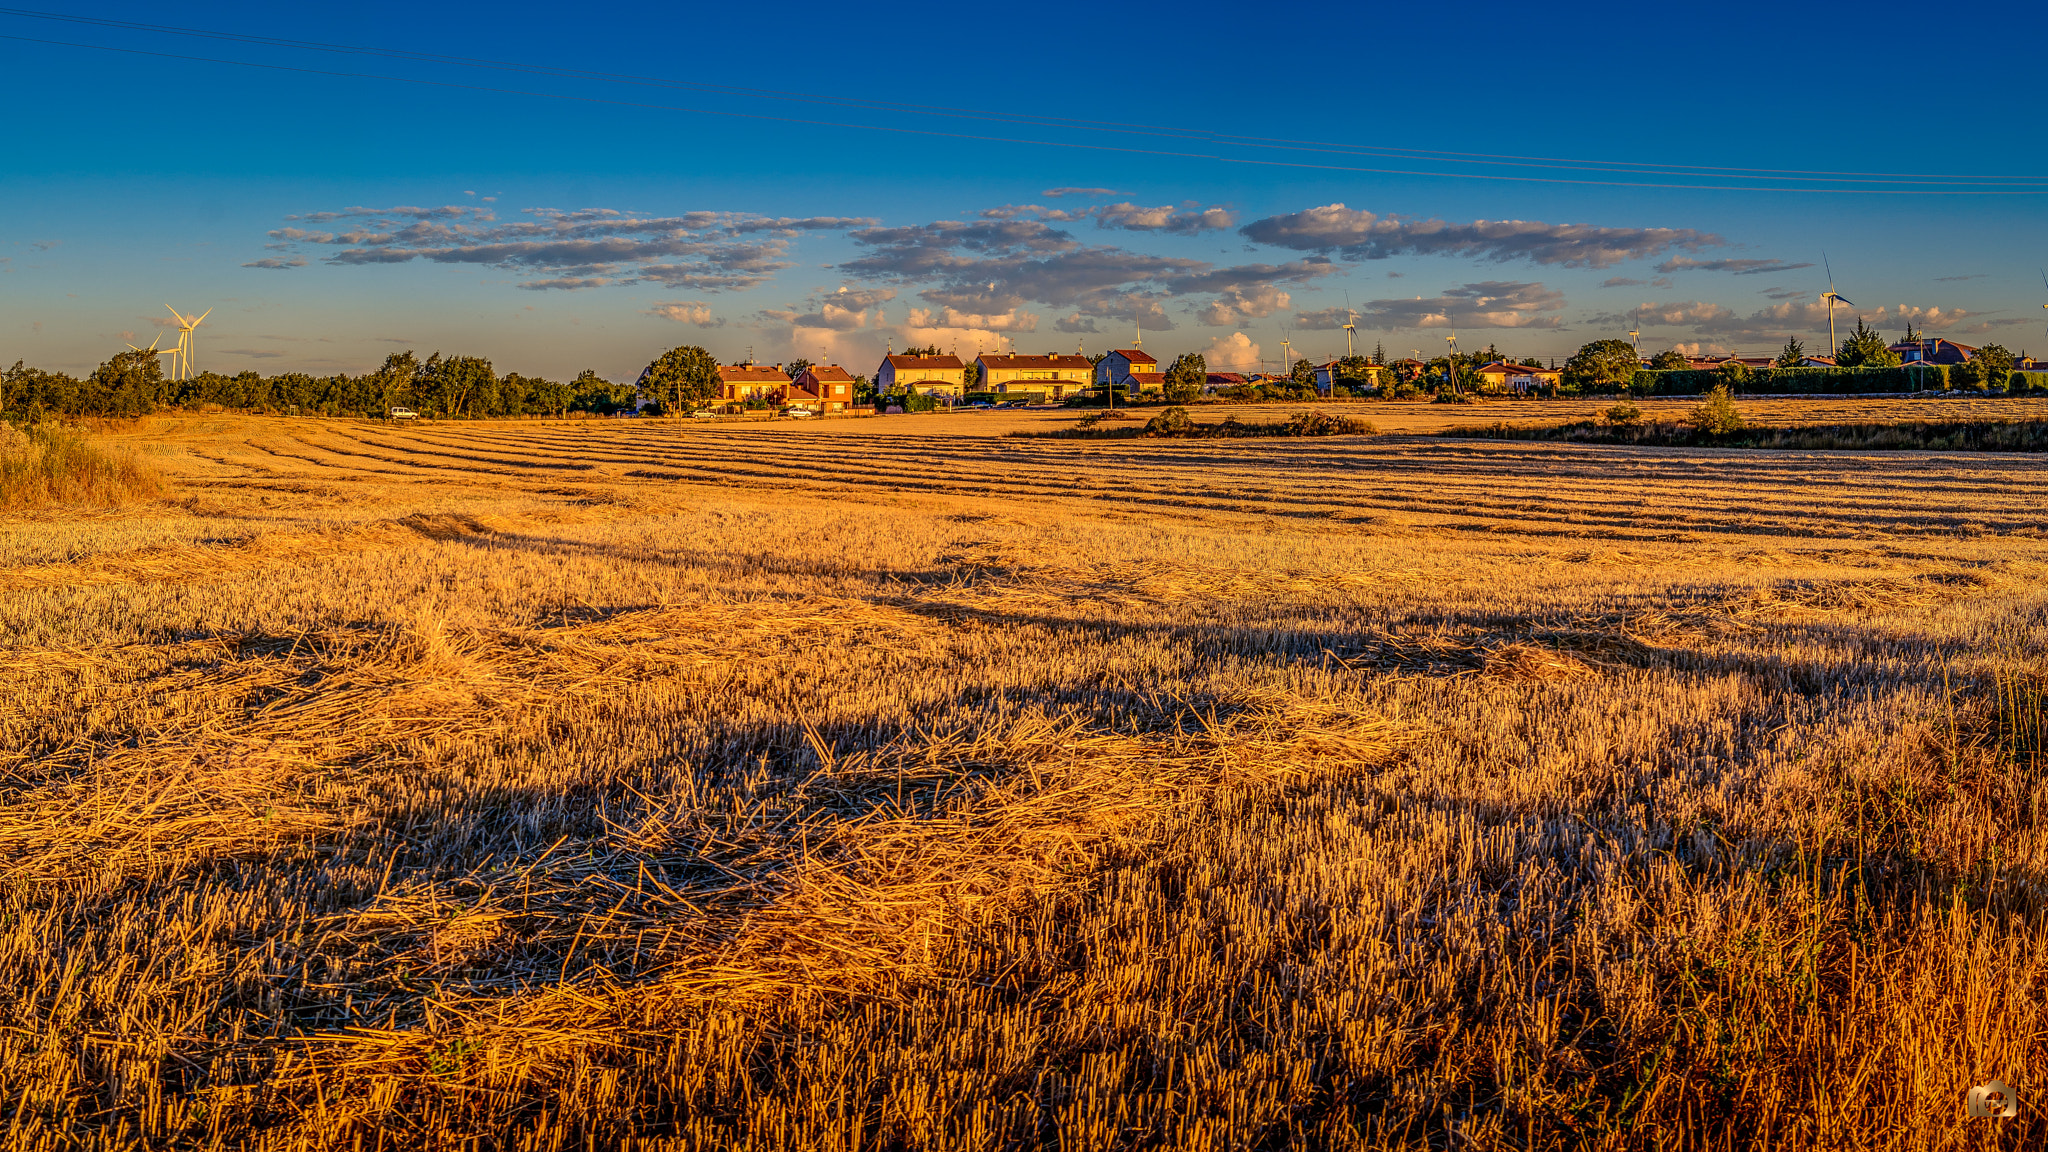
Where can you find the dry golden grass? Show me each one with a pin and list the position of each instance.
(895, 784)
(52, 465)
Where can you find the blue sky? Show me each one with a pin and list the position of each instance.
(623, 180)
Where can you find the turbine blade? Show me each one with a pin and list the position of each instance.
(1830, 269)
(202, 317)
(1845, 300)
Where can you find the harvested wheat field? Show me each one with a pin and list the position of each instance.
(898, 784)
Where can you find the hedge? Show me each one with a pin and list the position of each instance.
(1693, 381)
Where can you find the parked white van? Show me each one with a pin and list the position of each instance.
(403, 414)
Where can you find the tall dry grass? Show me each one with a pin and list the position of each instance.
(571, 788)
(51, 465)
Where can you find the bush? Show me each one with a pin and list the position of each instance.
(1623, 415)
(52, 465)
(1449, 397)
(1695, 382)
(1716, 414)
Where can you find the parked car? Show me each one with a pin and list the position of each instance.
(403, 414)
(800, 413)
(705, 414)
(977, 404)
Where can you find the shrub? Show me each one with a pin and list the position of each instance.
(1716, 414)
(53, 465)
(1623, 415)
(1695, 382)
(1449, 397)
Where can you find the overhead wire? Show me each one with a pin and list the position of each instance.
(1921, 184)
(1624, 167)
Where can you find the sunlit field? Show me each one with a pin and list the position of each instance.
(898, 783)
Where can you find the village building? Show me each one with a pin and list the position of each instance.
(1224, 380)
(739, 383)
(1935, 351)
(943, 376)
(1131, 369)
(1326, 375)
(1505, 376)
(1054, 376)
(822, 388)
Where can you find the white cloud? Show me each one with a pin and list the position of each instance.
(1163, 219)
(1355, 234)
(273, 262)
(1253, 302)
(1231, 353)
(696, 312)
(1488, 304)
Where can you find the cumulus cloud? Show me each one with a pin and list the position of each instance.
(1187, 222)
(1015, 320)
(1238, 304)
(1356, 234)
(1622, 282)
(696, 312)
(591, 247)
(274, 262)
(1489, 304)
(843, 310)
(1738, 267)
(1322, 320)
(1231, 353)
(1076, 323)
(1776, 321)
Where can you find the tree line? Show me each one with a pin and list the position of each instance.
(133, 384)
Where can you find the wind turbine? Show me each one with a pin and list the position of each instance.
(2044, 282)
(1634, 332)
(182, 363)
(1451, 358)
(1831, 296)
(1351, 326)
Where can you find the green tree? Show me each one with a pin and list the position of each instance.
(1735, 373)
(1186, 378)
(1603, 364)
(594, 393)
(130, 384)
(1866, 349)
(1994, 365)
(971, 377)
(1792, 354)
(1303, 372)
(914, 350)
(1670, 358)
(685, 377)
(796, 367)
(1716, 413)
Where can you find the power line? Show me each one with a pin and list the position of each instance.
(1940, 184)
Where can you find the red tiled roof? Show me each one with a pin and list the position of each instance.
(751, 374)
(1505, 367)
(902, 362)
(1054, 361)
(1134, 355)
(825, 374)
(1147, 377)
(1226, 378)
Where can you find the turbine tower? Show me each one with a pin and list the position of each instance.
(1350, 327)
(2044, 282)
(181, 362)
(1634, 331)
(1831, 296)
